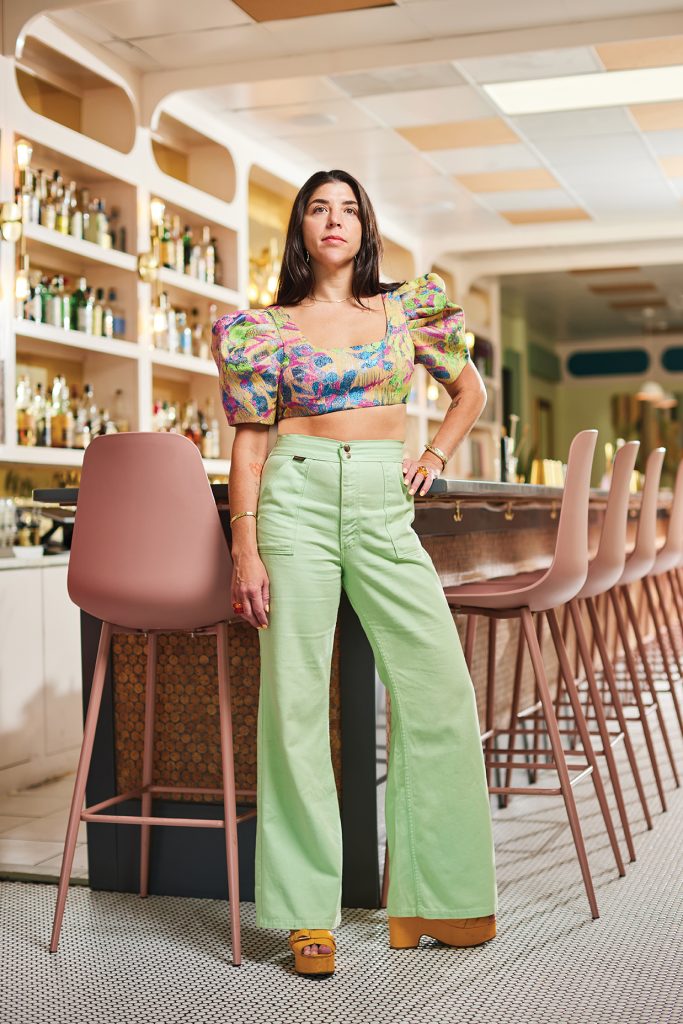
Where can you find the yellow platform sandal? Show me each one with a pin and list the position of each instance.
(406, 932)
(317, 964)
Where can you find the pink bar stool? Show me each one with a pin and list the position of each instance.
(638, 565)
(604, 570)
(149, 556)
(668, 558)
(540, 593)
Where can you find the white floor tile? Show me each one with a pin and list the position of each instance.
(26, 852)
(29, 804)
(80, 866)
(52, 828)
(7, 822)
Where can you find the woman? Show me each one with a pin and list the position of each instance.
(331, 507)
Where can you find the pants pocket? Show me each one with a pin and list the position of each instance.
(399, 511)
(282, 490)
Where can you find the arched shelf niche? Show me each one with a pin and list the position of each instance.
(64, 91)
(187, 155)
(398, 263)
(270, 202)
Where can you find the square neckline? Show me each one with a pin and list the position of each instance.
(336, 348)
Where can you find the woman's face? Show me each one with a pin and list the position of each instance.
(331, 228)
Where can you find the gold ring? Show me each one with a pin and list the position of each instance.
(238, 607)
(422, 470)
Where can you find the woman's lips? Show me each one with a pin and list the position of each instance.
(334, 238)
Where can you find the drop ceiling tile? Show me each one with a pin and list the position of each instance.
(641, 53)
(545, 216)
(574, 123)
(209, 46)
(484, 158)
(270, 92)
(568, 213)
(400, 79)
(672, 166)
(422, 192)
(489, 131)
(507, 181)
(349, 30)
(627, 197)
(130, 19)
(623, 152)
(305, 118)
(530, 199)
(272, 10)
(429, 106)
(669, 143)
(652, 117)
(535, 64)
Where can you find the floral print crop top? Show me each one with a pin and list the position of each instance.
(269, 371)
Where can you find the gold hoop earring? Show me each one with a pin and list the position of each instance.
(308, 256)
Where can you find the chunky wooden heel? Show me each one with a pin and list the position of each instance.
(317, 964)
(406, 932)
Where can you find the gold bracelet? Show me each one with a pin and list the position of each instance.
(238, 515)
(439, 454)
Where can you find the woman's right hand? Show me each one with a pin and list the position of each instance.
(251, 588)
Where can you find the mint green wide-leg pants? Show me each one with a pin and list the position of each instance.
(335, 515)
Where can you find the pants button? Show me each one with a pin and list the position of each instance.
(347, 447)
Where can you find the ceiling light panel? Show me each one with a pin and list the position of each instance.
(455, 103)
(538, 64)
(581, 92)
(484, 158)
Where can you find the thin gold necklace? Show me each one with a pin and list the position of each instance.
(316, 299)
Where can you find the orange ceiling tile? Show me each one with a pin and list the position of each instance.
(273, 10)
(642, 53)
(486, 131)
(672, 165)
(508, 181)
(544, 216)
(655, 117)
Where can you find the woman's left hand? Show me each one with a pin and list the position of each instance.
(415, 480)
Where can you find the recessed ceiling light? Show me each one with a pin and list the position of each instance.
(595, 89)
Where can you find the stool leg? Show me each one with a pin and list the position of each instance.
(584, 735)
(81, 780)
(662, 648)
(622, 629)
(514, 709)
(229, 797)
(148, 761)
(650, 682)
(558, 752)
(470, 637)
(584, 650)
(667, 612)
(490, 694)
(613, 691)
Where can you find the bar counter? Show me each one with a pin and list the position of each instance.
(471, 529)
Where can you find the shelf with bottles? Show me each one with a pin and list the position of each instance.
(185, 408)
(78, 256)
(44, 339)
(193, 254)
(70, 205)
(77, 306)
(57, 414)
(180, 335)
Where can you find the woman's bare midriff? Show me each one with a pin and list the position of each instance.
(376, 422)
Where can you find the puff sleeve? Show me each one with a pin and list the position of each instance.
(437, 327)
(247, 348)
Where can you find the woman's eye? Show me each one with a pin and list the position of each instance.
(352, 210)
(316, 209)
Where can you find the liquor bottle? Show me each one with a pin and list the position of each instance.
(196, 263)
(76, 213)
(81, 424)
(119, 412)
(114, 228)
(79, 301)
(54, 313)
(214, 428)
(98, 313)
(90, 229)
(35, 302)
(26, 429)
(102, 236)
(179, 246)
(167, 245)
(209, 256)
(217, 264)
(42, 413)
(63, 213)
(63, 418)
(85, 212)
(187, 248)
(118, 315)
(185, 334)
(172, 333)
(48, 209)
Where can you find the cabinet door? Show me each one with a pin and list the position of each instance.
(22, 718)
(62, 663)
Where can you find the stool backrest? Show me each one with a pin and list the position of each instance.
(673, 548)
(148, 549)
(608, 564)
(568, 570)
(642, 558)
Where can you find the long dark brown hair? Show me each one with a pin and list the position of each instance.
(296, 277)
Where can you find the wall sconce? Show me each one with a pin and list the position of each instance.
(11, 227)
(148, 267)
(469, 339)
(157, 208)
(650, 391)
(23, 151)
(22, 283)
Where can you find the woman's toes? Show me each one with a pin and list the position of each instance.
(324, 949)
